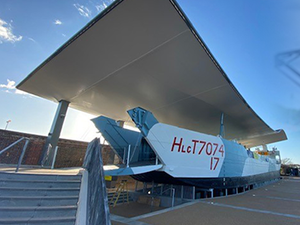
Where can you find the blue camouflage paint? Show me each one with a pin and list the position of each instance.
(236, 170)
(143, 119)
(120, 138)
(234, 161)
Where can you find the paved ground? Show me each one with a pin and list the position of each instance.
(61, 171)
(132, 209)
(276, 204)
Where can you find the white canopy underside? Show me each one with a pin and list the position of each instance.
(146, 53)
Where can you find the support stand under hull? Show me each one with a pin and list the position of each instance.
(218, 182)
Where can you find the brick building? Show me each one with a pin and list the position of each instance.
(70, 152)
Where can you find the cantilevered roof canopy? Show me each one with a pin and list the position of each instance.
(146, 53)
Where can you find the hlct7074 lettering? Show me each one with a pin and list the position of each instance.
(168, 154)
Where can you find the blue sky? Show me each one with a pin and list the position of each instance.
(244, 36)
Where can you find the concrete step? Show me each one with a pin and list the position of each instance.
(37, 212)
(38, 198)
(39, 221)
(24, 176)
(26, 183)
(20, 201)
(16, 191)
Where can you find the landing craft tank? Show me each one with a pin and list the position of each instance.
(167, 154)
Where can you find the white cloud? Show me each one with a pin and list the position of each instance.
(103, 5)
(10, 84)
(6, 34)
(31, 39)
(64, 35)
(57, 22)
(19, 92)
(83, 10)
(11, 88)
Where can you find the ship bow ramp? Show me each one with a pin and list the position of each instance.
(130, 146)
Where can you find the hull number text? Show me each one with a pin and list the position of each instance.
(199, 147)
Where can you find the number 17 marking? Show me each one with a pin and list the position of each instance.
(212, 160)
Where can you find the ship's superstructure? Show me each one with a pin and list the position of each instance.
(168, 154)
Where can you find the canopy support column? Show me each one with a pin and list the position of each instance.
(53, 136)
(222, 133)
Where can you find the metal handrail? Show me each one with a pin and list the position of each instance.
(11, 145)
(23, 151)
(172, 193)
(47, 154)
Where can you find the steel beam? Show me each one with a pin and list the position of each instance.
(53, 136)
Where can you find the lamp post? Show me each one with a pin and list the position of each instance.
(7, 122)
